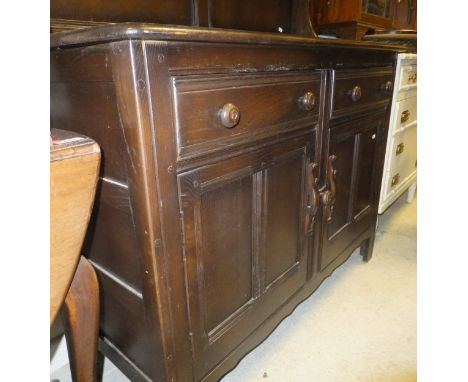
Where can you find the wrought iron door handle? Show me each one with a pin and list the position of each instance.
(329, 195)
(313, 197)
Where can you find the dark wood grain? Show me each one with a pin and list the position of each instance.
(202, 237)
(372, 87)
(233, 235)
(356, 143)
(111, 235)
(138, 31)
(266, 104)
(260, 15)
(70, 98)
(279, 16)
(126, 325)
(159, 11)
(337, 11)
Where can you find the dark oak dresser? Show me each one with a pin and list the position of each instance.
(239, 170)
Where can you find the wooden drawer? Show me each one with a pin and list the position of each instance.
(408, 77)
(405, 114)
(354, 90)
(264, 103)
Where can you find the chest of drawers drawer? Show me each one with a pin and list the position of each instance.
(402, 166)
(408, 77)
(405, 114)
(354, 90)
(215, 112)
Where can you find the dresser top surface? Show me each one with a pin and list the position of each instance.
(139, 31)
(408, 40)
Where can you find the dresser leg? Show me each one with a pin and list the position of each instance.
(80, 316)
(411, 192)
(366, 249)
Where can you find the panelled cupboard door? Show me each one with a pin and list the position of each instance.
(350, 183)
(244, 241)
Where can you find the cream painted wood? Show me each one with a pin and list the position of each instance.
(408, 77)
(401, 166)
(406, 107)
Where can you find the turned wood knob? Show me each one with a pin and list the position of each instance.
(387, 86)
(229, 115)
(356, 93)
(307, 101)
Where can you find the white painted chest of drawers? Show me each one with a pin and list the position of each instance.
(399, 173)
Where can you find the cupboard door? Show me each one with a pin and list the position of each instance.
(244, 244)
(349, 201)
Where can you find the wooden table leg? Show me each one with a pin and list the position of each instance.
(80, 316)
(367, 248)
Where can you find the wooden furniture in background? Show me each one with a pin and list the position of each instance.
(400, 167)
(281, 16)
(352, 19)
(74, 168)
(240, 169)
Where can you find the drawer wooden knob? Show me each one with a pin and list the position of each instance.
(356, 93)
(395, 180)
(307, 101)
(387, 86)
(229, 115)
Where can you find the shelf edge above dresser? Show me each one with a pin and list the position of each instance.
(140, 31)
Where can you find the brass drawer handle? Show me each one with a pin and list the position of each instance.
(412, 78)
(229, 115)
(395, 180)
(307, 101)
(405, 116)
(400, 148)
(355, 93)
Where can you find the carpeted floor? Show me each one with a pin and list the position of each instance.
(360, 325)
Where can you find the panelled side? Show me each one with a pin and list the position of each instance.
(84, 99)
